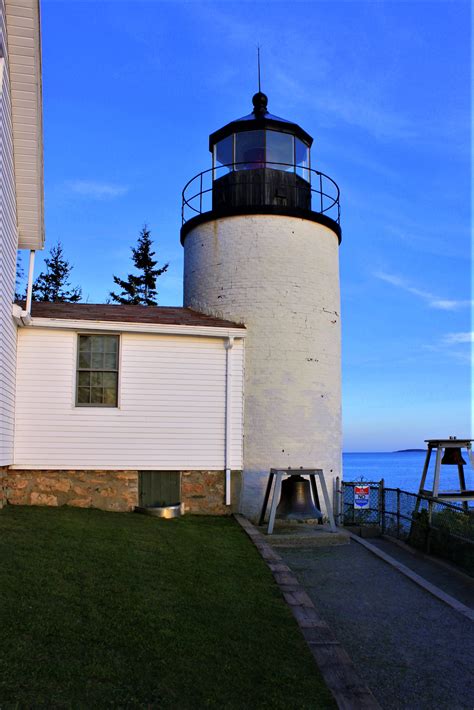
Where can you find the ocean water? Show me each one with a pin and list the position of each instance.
(402, 470)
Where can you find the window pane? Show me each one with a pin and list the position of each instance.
(84, 342)
(84, 379)
(224, 154)
(96, 395)
(111, 343)
(302, 159)
(83, 395)
(97, 361)
(280, 150)
(110, 396)
(109, 379)
(250, 150)
(110, 361)
(98, 344)
(96, 379)
(85, 360)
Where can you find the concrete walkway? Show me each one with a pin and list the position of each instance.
(412, 650)
(443, 575)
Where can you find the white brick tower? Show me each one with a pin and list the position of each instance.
(261, 237)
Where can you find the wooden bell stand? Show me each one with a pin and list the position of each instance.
(440, 445)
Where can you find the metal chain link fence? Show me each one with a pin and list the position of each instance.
(348, 514)
(430, 525)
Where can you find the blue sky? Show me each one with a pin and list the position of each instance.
(132, 91)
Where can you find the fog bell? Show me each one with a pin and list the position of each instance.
(452, 457)
(296, 500)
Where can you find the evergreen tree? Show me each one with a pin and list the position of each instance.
(140, 289)
(53, 284)
(20, 275)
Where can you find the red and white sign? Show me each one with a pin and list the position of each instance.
(361, 496)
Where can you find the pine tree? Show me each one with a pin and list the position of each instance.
(53, 284)
(20, 275)
(140, 289)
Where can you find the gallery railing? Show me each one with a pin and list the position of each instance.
(324, 192)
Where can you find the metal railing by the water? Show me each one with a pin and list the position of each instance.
(325, 194)
(426, 523)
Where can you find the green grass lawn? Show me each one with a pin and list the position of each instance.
(121, 610)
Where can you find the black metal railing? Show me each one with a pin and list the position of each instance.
(325, 194)
(426, 523)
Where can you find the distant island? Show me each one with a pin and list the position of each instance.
(407, 451)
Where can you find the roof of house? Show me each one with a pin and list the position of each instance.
(162, 315)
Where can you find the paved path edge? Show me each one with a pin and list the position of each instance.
(331, 658)
(417, 579)
(430, 558)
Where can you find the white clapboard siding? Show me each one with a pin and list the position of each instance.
(171, 413)
(8, 251)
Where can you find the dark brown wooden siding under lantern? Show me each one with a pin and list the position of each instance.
(159, 488)
(261, 186)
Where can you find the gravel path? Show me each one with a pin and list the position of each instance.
(413, 651)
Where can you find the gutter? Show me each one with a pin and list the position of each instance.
(229, 344)
(23, 317)
(29, 289)
(90, 326)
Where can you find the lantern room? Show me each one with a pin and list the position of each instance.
(261, 140)
(261, 164)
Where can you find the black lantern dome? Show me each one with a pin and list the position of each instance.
(259, 119)
(261, 139)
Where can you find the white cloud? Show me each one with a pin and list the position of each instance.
(456, 338)
(448, 305)
(96, 190)
(429, 298)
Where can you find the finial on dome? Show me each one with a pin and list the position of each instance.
(259, 101)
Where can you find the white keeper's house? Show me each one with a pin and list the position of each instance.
(115, 406)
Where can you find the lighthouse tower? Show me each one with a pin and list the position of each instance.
(261, 235)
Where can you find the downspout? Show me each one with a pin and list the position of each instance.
(229, 344)
(29, 289)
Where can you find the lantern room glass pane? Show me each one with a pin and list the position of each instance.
(224, 155)
(250, 150)
(280, 154)
(302, 159)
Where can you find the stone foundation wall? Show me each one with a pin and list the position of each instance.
(202, 492)
(107, 490)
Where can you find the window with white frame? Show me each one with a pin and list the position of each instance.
(97, 371)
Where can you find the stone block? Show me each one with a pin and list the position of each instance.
(17, 483)
(53, 482)
(80, 502)
(107, 492)
(131, 476)
(79, 490)
(43, 499)
(17, 497)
